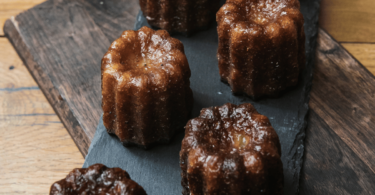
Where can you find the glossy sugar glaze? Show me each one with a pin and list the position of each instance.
(145, 87)
(97, 179)
(231, 150)
(184, 16)
(261, 45)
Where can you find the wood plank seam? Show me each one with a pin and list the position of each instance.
(349, 42)
(19, 89)
(349, 20)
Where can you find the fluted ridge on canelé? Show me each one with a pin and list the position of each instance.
(145, 87)
(231, 150)
(184, 16)
(261, 45)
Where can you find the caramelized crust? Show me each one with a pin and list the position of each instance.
(231, 150)
(184, 16)
(97, 179)
(145, 87)
(261, 45)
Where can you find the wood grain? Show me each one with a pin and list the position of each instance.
(348, 20)
(339, 155)
(330, 166)
(344, 97)
(36, 150)
(13, 73)
(364, 53)
(10, 8)
(71, 82)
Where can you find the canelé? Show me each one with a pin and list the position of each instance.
(97, 179)
(261, 45)
(183, 16)
(231, 150)
(145, 87)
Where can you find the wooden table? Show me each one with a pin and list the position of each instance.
(36, 149)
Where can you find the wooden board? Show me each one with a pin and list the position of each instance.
(348, 20)
(363, 52)
(76, 100)
(13, 7)
(340, 138)
(315, 158)
(35, 147)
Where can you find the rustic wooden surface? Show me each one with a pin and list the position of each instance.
(363, 52)
(35, 147)
(25, 111)
(352, 23)
(340, 140)
(10, 8)
(70, 80)
(348, 20)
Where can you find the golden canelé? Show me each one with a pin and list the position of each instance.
(183, 16)
(231, 150)
(145, 87)
(261, 45)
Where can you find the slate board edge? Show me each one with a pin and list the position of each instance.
(307, 89)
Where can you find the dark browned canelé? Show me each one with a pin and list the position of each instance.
(261, 45)
(145, 87)
(231, 150)
(183, 16)
(97, 179)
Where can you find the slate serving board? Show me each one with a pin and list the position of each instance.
(158, 171)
